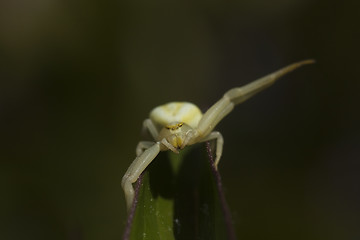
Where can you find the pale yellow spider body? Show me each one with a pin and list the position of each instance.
(185, 112)
(176, 125)
(174, 120)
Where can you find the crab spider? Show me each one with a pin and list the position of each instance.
(176, 125)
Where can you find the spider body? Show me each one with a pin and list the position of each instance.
(184, 112)
(176, 125)
(174, 121)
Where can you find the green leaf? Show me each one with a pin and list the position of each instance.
(179, 199)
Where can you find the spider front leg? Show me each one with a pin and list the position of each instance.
(142, 146)
(238, 95)
(134, 171)
(149, 125)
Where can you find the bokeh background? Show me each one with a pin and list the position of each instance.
(77, 78)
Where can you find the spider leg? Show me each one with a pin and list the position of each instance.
(219, 144)
(142, 146)
(135, 169)
(214, 115)
(148, 124)
(238, 95)
(167, 145)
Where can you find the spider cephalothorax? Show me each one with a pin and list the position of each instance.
(176, 125)
(175, 133)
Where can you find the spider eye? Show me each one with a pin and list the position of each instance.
(174, 127)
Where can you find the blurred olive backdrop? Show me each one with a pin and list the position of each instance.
(77, 78)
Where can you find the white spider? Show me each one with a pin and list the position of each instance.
(178, 124)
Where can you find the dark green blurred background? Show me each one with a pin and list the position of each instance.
(79, 77)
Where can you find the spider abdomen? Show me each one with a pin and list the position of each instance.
(176, 112)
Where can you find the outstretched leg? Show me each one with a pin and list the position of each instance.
(238, 95)
(241, 94)
(134, 171)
